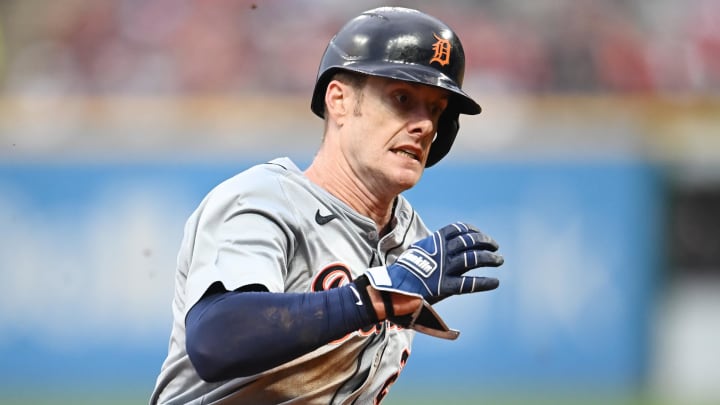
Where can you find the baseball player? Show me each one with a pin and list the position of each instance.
(307, 287)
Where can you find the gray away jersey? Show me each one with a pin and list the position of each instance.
(270, 225)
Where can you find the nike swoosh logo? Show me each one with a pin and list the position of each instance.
(323, 219)
(357, 295)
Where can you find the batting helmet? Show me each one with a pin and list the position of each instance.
(403, 44)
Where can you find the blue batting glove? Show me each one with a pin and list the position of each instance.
(433, 268)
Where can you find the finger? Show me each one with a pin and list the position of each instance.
(481, 283)
(470, 259)
(471, 240)
(452, 230)
(468, 284)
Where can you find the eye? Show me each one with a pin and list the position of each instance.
(402, 98)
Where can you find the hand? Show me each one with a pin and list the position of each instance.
(433, 267)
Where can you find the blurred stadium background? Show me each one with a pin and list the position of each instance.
(595, 163)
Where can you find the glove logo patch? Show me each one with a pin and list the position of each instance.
(418, 261)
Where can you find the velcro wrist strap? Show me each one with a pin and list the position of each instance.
(387, 301)
(429, 322)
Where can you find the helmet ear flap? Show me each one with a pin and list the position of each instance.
(448, 127)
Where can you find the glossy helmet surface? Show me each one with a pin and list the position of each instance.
(403, 44)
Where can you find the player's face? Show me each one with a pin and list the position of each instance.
(392, 128)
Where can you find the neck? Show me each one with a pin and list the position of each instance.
(340, 180)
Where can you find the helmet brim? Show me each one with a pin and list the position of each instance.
(460, 101)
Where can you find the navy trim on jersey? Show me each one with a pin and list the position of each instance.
(276, 164)
(238, 334)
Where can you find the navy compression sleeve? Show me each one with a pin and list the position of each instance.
(234, 334)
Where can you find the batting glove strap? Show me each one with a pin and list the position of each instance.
(424, 319)
(430, 323)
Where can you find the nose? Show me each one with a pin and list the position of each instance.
(421, 124)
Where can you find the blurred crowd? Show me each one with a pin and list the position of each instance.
(265, 46)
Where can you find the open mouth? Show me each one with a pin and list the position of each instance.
(407, 153)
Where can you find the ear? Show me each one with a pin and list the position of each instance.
(336, 100)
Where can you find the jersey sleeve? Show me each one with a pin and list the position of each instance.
(242, 236)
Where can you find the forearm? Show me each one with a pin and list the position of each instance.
(235, 334)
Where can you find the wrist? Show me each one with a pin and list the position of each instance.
(387, 304)
(371, 298)
(376, 299)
